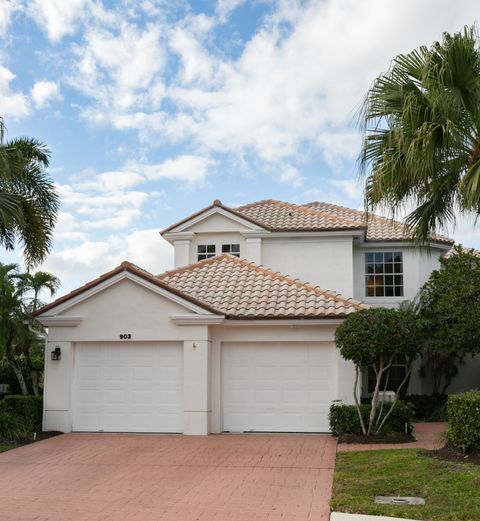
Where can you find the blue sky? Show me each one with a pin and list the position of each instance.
(152, 109)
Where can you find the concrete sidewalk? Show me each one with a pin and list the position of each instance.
(340, 516)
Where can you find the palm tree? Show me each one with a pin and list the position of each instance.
(28, 200)
(34, 284)
(421, 125)
(12, 320)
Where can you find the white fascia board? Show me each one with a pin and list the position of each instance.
(61, 321)
(117, 278)
(286, 322)
(208, 213)
(402, 244)
(255, 234)
(325, 233)
(178, 236)
(195, 320)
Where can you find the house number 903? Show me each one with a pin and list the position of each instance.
(125, 336)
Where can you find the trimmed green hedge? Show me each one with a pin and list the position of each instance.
(464, 420)
(344, 419)
(20, 415)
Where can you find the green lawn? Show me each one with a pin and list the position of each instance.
(451, 490)
(4, 448)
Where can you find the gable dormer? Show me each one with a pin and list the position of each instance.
(212, 231)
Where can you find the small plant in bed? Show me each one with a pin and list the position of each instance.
(345, 423)
(21, 421)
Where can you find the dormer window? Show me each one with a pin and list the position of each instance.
(384, 274)
(205, 251)
(232, 249)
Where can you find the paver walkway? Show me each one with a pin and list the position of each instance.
(429, 436)
(105, 477)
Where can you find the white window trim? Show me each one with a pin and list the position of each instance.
(366, 274)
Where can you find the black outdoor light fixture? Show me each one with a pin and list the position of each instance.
(56, 353)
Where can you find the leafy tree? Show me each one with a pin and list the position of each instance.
(28, 200)
(375, 338)
(421, 123)
(449, 306)
(20, 334)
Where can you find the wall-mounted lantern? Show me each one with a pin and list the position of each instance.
(56, 353)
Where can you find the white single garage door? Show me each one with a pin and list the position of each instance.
(128, 387)
(277, 387)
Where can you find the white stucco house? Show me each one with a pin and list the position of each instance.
(239, 336)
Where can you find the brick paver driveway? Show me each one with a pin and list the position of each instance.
(105, 477)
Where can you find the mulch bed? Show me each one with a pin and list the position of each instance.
(449, 453)
(397, 437)
(29, 439)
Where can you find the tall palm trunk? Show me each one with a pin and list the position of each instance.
(33, 372)
(12, 362)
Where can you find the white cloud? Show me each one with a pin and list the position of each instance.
(350, 187)
(43, 92)
(291, 176)
(12, 104)
(189, 168)
(89, 259)
(58, 18)
(294, 88)
(112, 181)
(120, 70)
(225, 7)
(7, 7)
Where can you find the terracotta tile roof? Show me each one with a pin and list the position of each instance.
(378, 228)
(280, 216)
(243, 290)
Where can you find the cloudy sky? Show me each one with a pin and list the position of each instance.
(154, 108)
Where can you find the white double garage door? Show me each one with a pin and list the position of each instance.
(265, 387)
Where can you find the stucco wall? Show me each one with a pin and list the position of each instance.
(323, 261)
(417, 266)
(126, 307)
(218, 239)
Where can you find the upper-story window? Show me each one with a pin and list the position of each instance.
(233, 249)
(384, 274)
(205, 251)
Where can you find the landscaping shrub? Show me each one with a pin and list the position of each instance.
(427, 407)
(344, 419)
(464, 420)
(20, 415)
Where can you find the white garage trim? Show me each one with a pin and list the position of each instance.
(277, 386)
(128, 387)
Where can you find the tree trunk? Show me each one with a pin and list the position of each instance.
(12, 362)
(407, 376)
(373, 406)
(33, 374)
(18, 373)
(357, 401)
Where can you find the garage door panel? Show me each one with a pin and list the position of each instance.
(283, 387)
(128, 387)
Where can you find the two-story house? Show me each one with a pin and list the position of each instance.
(239, 336)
